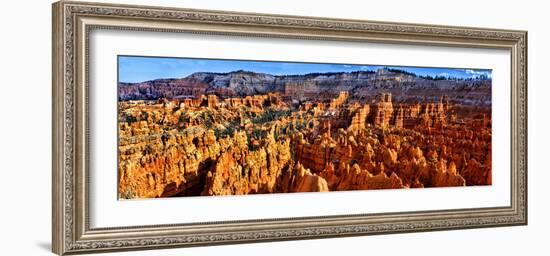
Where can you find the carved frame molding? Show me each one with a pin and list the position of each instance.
(72, 22)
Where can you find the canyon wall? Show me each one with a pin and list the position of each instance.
(361, 84)
(264, 144)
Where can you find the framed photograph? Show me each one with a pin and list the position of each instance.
(179, 127)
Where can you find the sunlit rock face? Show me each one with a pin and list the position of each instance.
(220, 139)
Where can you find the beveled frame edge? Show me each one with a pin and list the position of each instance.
(73, 20)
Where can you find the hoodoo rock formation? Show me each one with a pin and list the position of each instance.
(247, 133)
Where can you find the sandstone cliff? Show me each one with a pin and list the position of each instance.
(403, 85)
(269, 144)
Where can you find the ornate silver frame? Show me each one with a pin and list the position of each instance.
(72, 22)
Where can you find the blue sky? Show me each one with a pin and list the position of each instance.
(138, 69)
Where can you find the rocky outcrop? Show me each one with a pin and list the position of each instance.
(300, 179)
(354, 178)
(241, 171)
(363, 84)
(270, 143)
(382, 111)
(161, 88)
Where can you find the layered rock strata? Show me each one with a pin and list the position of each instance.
(229, 145)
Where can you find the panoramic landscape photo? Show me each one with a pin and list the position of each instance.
(208, 127)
